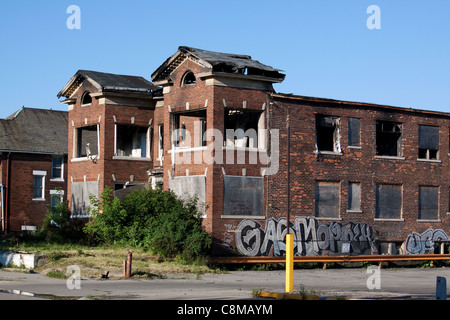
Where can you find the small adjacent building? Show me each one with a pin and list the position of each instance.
(33, 167)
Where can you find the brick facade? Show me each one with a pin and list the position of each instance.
(245, 206)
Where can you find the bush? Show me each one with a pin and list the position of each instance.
(150, 219)
(59, 228)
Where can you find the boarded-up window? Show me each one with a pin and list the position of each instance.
(243, 196)
(354, 132)
(389, 202)
(428, 203)
(327, 199)
(188, 187)
(81, 191)
(428, 142)
(327, 133)
(354, 196)
(389, 138)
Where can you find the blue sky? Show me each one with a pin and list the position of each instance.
(323, 46)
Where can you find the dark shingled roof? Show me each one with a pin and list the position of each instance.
(35, 130)
(221, 62)
(108, 82)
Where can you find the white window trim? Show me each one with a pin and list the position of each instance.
(148, 146)
(75, 144)
(42, 174)
(61, 179)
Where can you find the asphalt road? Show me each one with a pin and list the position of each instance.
(406, 283)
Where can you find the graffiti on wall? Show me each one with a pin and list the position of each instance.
(421, 243)
(310, 237)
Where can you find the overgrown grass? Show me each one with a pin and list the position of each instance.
(95, 261)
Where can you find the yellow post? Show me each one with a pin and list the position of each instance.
(289, 263)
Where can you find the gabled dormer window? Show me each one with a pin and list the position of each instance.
(188, 79)
(86, 99)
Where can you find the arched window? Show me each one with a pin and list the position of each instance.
(188, 79)
(86, 99)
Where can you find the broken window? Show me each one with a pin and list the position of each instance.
(428, 203)
(132, 141)
(428, 142)
(327, 199)
(188, 79)
(242, 128)
(389, 138)
(160, 142)
(86, 142)
(86, 99)
(189, 128)
(202, 136)
(354, 132)
(327, 134)
(354, 196)
(389, 201)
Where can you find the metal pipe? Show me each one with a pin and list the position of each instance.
(6, 205)
(3, 207)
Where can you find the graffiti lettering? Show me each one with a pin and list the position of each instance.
(421, 243)
(310, 237)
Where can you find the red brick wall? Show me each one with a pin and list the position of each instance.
(23, 210)
(105, 167)
(358, 165)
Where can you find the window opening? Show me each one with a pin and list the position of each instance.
(160, 143)
(428, 142)
(389, 202)
(327, 134)
(428, 203)
(189, 78)
(327, 199)
(57, 168)
(354, 196)
(86, 99)
(131, 141)
(354, 132)
(242, 128)
(389, 138)
(87, 141)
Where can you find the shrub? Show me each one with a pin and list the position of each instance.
(151, 219)
(59, 228)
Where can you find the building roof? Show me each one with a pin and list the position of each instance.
(217, 62)
(352, 104)
(108, 82)
(36, 131)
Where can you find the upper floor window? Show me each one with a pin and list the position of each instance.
(188, 79)
(389, 138)
(132, 141)
(86, 99)
(428, 142)
(86, 142)
(58, 168)
(39, 185)
(354, 132)
(328, 134)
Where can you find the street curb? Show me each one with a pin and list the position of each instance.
(291, 296)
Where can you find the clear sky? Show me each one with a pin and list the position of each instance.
(324, 46)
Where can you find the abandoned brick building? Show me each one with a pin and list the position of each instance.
(363, 178)
(33, 167)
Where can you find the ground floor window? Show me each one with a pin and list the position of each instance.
(428, 203)
(389, 201)
(327, 199)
